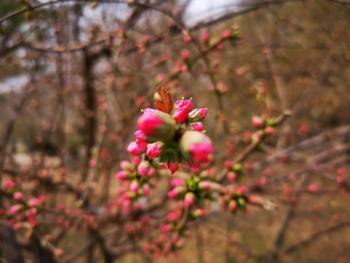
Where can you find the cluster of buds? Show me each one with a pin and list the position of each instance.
(261, 122)
(194, 190)
(235, 198)
(234, 171)
(164, 141)
(21, 212)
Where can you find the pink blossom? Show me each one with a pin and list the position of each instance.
(232, 176)
(146, 190)
(149, 122)
(172, 167)
(198, 114)
(184, 104)
(173, 216)
(232, 206)
(198, 126)
(181, 115)
(227, 33)
(185, 54)
(205, 185)
(201, 152)
(18, 196)
(172, 194)
(134, 186)
(165, 228)
(9, 184)
(134, 149)
(204, 36)
(121, 175)
(141, 139)
(125, 165)
(154, 150)
(257, 121)
(136, 160)
(143, 168)
(189, 199)
(177, 182)
(14, 209)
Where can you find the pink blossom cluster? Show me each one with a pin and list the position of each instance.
(21, 212)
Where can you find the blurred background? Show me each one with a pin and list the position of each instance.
(74, 76)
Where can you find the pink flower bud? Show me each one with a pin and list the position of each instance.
(154, 150)
(184, 104)
(227, 34)
(180, 115)
(172, 167)
(196, 147)
(198, 126)
(9, 184)
(141, 139)
(232, 206)
(189, 199)
(204, 36)
(134, 186)
(269, 130)
(121, 175)
(177, 182)
(198, 114)
(257, 121)
(143, 168)
(134, 149)
(156, 125)
(313, 188)
(205, 185)
(146, 190)
(14, 209)
(126, 165)
(232, 176)
(185, 54)
(165, 228)
(18, 196)
(136, 160)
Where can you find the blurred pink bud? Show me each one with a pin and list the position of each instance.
(227, 34)
(205, 185)
(313, 188)
(201, 152)
(143, 168)
(198, 126)
(134, 149)
(136, 160)
(141, 139)
(232, 176)
(232, 206)
(198, 114)
(154, 150)
(125, 165)
(257, 121)
(177, 182)
(14, 209)
(146, 190)
(156, 125)
(189, 199)
(18, 196)
(204, 36)
(181, 115)
(185, 54)
(196, 147)
(121, 175)
(270, 130)
(9, 184)
(184, 104)
(172, 194)
(134, 186)
(165, 228)
(172, 167)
